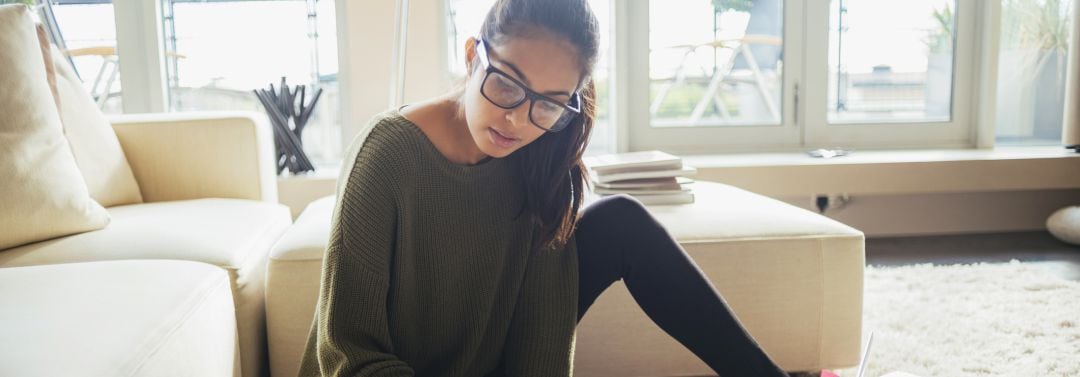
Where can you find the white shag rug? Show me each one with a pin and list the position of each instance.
(1006, 319)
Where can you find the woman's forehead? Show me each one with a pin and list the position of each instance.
(544, 63)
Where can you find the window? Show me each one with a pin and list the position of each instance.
(890, 61)
(710, 75)
(214, 63)
(88, 30)
(880, 74)
(704, 76)
(715, 62)
(775, 75)
(1031, 71)
(465, 19)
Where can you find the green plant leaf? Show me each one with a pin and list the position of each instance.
(736, 5)
(940, 39)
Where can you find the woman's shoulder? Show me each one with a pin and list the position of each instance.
(387, 127)
(386, 135)
(384, 144)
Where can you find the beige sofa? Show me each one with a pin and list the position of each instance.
(135, 245)
(793, 277)
(118, 318)
(209, 192)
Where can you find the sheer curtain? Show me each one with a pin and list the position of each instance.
(1070, 135)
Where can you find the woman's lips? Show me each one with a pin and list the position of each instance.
(500, 140)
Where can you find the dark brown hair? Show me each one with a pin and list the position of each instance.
(551, 167)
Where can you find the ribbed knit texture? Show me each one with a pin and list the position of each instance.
(428, 273)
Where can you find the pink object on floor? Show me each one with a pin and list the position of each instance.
(828, 373)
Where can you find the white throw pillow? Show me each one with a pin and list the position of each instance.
(97, 150)
(1065, 224)
(42, 193)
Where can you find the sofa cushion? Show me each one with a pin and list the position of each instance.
(43, 192)
(97, 150)
(117, 318)
(222, 232)
(50, 68)
(232, 233)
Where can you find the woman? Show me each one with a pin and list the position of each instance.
(457, 249)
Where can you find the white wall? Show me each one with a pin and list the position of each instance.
(365, 44)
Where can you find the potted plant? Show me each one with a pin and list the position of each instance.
(1031, 69)
(939, 41)
(734, 5)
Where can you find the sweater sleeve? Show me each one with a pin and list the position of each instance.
(350, 335)
(541, 337)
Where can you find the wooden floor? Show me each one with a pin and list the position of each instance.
(1037, 247)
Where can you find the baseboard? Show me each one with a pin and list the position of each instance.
(948, 213)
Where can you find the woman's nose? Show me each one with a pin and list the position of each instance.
(518, 116)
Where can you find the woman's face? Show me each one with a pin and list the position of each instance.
(545, 64)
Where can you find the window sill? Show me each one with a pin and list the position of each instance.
(297, 191)
(862, 172)
(894, 171)
(322, 171)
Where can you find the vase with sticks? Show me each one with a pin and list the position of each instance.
(289, 115)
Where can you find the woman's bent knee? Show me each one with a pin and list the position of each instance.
(619, 207)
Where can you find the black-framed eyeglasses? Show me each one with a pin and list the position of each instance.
(507, 92)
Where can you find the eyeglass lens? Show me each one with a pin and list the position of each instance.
(506, 93)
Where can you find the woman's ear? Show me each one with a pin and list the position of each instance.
(470, 54)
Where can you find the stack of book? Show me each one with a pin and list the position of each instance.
(652, 177)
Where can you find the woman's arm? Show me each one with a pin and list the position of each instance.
(541, 337)
(350, 335)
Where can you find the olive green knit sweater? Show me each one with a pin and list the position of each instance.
(429, 273)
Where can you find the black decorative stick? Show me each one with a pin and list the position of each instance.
(281, 107)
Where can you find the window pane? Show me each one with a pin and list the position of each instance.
(89, 31)
(466, 17)
(215, 61)
(891, 60)
(1031, 71)
(715, 62)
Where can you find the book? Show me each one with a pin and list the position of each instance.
(652, 177)
(622, 176)
(660, 199)
(652, 183)
(642, 191)
(632, 161)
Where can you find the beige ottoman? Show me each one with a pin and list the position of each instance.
(118, 318)
(793, 277)
(293, 275)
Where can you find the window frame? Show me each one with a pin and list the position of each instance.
(803, 115)
(804, 122)
(688, 139)
(955, 133)
(140, 45)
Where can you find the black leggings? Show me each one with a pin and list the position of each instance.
(618, 239)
